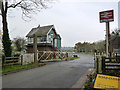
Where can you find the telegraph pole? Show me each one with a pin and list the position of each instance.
(35, 48)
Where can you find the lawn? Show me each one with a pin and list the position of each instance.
(11, 68)
(75, 58)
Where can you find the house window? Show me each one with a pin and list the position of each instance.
(43, 39)
(30, 40)
(49, 38)
(38, 40)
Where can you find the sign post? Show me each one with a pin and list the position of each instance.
(107, 39)
(107, 16)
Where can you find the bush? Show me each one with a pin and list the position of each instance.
(75, 55)
(89, 83)
(113, 73)
(3, 59)
(16, 55)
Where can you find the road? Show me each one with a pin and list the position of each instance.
(54, 75)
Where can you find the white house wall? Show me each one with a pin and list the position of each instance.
(48, 38)
(55, 42)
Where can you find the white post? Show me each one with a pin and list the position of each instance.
(107, 42)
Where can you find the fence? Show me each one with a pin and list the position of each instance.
(21, 60)
(106, 65)
(44, 55)
(111, 63)
(11, 61)
(29, 57)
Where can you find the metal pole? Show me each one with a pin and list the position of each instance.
(35, 48)
(109, 42)
(107, 39)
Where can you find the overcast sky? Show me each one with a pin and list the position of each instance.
(75, 20)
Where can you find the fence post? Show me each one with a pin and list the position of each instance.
(97, 63)
(21, 59)
(94, 60)
(103, 64)
(110, 57)
(4, 59)
(116, 56)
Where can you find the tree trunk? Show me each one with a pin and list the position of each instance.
(5, 39)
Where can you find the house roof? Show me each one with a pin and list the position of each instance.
(116, 40)
(58, 36)
(40, 31)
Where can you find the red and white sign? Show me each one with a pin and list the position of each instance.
(106, 16)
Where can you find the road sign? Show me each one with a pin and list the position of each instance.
(107, 82)
(106, 16)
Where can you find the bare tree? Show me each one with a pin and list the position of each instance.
(115, 33)
(27, 7)
(100, 46)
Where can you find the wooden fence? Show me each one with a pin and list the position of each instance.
(11, 61)
(105, 65)
(44, 55)
(111, 63)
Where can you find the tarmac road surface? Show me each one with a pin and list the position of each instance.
(54, 75)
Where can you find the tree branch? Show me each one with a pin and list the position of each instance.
(15, 5)
(6, 4)
(2, 9)
(29, 6)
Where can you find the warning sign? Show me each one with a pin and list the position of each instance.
(107, 82)
(106, 16)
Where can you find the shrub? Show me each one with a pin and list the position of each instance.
(75, 55)
(16, 55)
(3, 59)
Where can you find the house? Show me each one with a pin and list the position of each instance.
(115, 45)
(47, 39)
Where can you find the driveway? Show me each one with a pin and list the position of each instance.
(54, 75)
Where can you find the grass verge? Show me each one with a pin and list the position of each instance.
(12, 68)
(89, 83)
(75, 58)
(92, 54)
